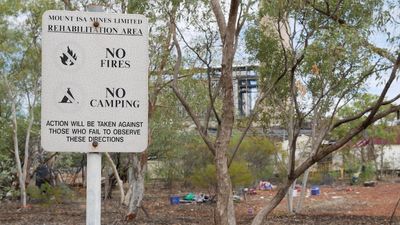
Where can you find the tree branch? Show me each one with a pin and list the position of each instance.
(379, 51)
(183, 101)
(194, 118)
(119, 181)
(219, 15)
(341, 142)
(373, 109)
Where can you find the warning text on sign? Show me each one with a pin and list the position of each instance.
(90, 131)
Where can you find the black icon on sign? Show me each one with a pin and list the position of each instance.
(68, 98)
(69, 58)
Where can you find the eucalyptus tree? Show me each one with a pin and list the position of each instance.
(165, 16)
(12, 49)
(323, 51)
(21, 74)
(6, 140)
(228, 20)
(160, 14)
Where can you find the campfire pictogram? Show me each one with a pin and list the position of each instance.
(69, 58)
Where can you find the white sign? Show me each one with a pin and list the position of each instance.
(94, 82)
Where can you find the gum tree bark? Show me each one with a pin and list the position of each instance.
(229, 31)
(20, 174)
(225, 212)
(134, 195)
(117, 177)
(22, 169)
(137, 184)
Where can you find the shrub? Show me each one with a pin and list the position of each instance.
(48, 194)
(259, 153)
(6, 176)
(241, 175)
(206, 177)
(368, 172)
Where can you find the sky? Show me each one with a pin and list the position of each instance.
(374, 86)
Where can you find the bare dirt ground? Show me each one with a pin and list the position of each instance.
(335, 205)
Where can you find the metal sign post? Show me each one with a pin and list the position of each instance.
(94, 89)
(93, 189)
(93, 184)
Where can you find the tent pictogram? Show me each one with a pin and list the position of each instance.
(68, 98)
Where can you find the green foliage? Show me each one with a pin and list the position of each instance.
(20, 70)
(315, 178)
(171, 169)
(206, 176)
(263, 45)
(353, 165)
(182, 156)
(254, 161)
(7, 175)
(174, 141)
(196, 155)
(381, 129)
(241, 175)
(69, 160)
(329, 58)
(49, 195)
(137, 6)
(260, 154)
(185, 157)
(323, 175)
(369, 172)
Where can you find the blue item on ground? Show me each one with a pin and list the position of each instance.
(315, 190)
(174, 200)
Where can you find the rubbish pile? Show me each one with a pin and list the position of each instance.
(265, 186)
(190, 198)
(370, 183)
(237, 196)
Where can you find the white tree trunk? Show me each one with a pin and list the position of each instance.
(317, 135)
(20, 174)
(27, 142)
(381, 161)
(117, 177)
(290, 196)
(21, 177)
(137, 183)
(31, 106)
(303, 191)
